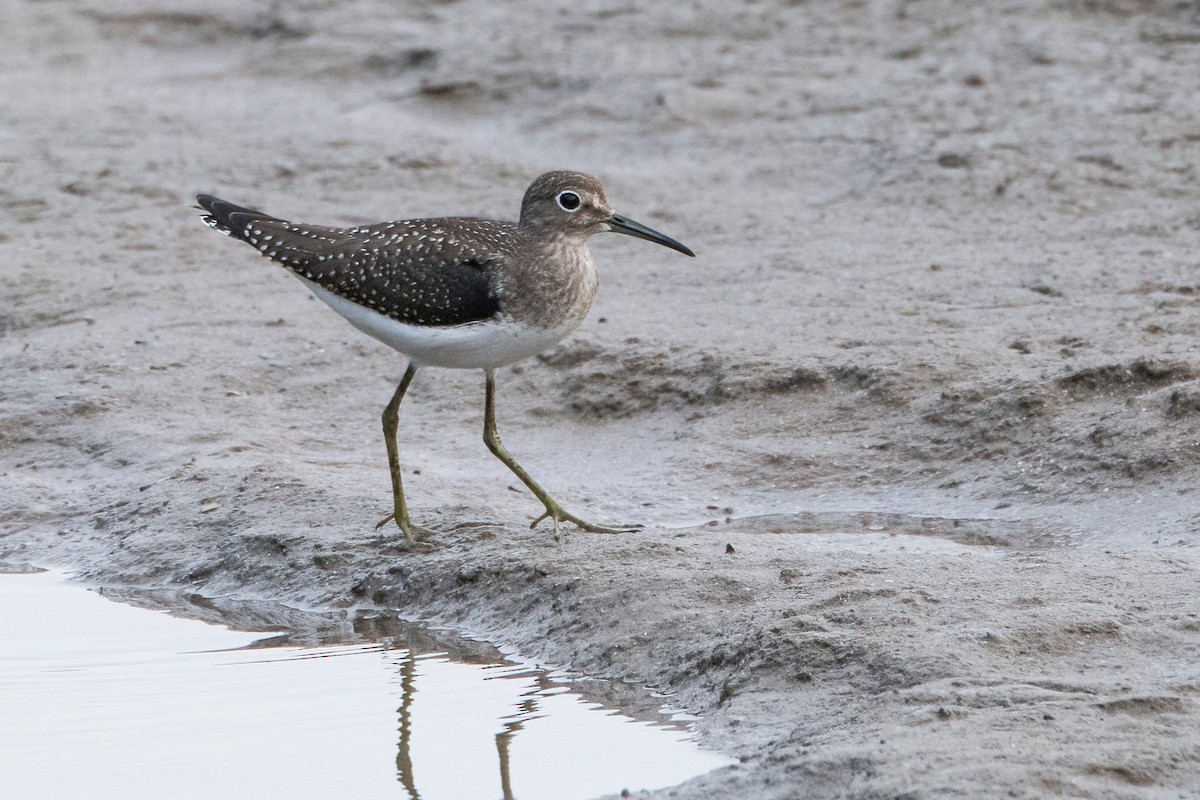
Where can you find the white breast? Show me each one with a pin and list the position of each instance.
(475, 345)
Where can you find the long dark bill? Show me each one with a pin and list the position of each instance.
(627, 226)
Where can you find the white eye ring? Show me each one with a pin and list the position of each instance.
(569, 201)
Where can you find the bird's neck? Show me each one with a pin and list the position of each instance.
(554, 284)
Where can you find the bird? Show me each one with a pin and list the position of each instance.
(454, 292)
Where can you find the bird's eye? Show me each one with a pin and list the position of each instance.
(568, 201)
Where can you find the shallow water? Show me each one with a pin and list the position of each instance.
(103, 700)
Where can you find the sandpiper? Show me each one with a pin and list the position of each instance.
(458, 292)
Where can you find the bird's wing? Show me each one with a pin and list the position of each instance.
(434, 272)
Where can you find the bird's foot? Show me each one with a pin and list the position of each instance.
(413, 533)
(558, 514)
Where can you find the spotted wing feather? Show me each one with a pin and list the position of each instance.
(434, 272)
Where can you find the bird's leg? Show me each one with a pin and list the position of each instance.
(553, 511)
(391, 421)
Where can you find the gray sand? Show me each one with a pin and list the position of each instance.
(915, 436)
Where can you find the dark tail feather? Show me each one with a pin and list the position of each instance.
(228, 218)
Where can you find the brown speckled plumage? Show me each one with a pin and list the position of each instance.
(446, 271)
(421, 272)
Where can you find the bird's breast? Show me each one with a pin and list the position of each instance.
(554, 289)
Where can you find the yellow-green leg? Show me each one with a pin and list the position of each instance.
(391, 422)
(553, 511)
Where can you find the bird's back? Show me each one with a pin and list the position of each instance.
(425, 272)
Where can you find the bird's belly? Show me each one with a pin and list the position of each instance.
(475, 345)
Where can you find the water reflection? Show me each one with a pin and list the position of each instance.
(525, 734)
(103, 700)
(525, 702)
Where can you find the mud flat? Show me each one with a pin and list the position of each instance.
(915, 437)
